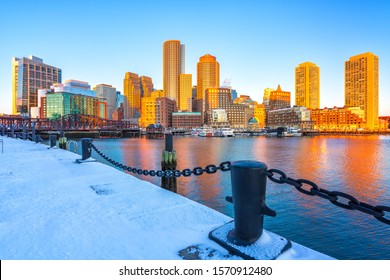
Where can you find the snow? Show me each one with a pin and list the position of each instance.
(52, 208)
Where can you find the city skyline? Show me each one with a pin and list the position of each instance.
(258, 46)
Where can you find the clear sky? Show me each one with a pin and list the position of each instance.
(258, 43)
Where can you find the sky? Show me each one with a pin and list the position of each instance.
(258, 43)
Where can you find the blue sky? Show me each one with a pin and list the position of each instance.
(257, 43)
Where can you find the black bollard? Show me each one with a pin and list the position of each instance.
(169, 162)
(12, 131)
(86, 150)
(2, 130)
(33, 133)
(169, 142)
(24, 132)
(249, 183)
(53, 139)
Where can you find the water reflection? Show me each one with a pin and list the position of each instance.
(355, 165)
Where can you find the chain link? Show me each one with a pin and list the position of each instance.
(197, 171)
(351, 203)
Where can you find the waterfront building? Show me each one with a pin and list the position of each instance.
(109, 93)
(267, 93)
(296, 117)
(307, 85)
(132, 97)
(221, 98)
(146, 86)
(279, 99)
(29, 75)
(361, 86)
(385, 122)
(185, 90)
(259, 114)
(173, 66)
(186, 120)
(157, 109)
(194, 91)
(338, 118)
(207, 77)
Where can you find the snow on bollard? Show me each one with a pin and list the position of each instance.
(86, 150)
(245, 235)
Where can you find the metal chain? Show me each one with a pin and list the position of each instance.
(197, 171)
(352, 203)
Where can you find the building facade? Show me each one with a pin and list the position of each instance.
(338, 119)
(295, 117)
(279, 99)
(185, 90)
(108, 92)
(361, 86)
(173, 66)
(29, 75)
(307, 85)
(146, 87)
(157, 109)
(207, 77)
(186, 120)
(132, 97)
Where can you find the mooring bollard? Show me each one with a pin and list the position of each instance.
(24, 132)
(249, 183)
(86, 150)
(12, 131)
(2, 130)
(169, 162)
(52, 141)
(33, 132)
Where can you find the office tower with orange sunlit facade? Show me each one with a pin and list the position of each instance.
(279, 99)
(361, 86)
(185, 89)
(173, 66)
(146, 86)
(29, 75)
(207, 77)
(307, 85)
(132, 97)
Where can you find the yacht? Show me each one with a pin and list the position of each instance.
(291, 132)
(206, 132)
(224, 132)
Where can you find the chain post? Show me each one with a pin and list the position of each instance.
(12, 131)
(249, 182)
(86, 151)
(2, 130)
(53, 140)
(169, 163)
(24, 132)
(33, 132)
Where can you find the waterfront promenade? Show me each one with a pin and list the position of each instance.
(54, 208)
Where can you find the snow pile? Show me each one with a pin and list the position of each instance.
(54, 208)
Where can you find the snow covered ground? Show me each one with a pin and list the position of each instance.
(54, 208)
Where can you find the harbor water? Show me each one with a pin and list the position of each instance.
(357, 165)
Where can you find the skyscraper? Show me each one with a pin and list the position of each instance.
(109, 93)
(146, 86)
(307, 85)
(185, 86)
(279, 99)
(132, 95)
(29, 75)
(361, 86)
(208, 77)
(173, 65)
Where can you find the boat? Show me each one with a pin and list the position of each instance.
(292, 132)
(206, 132)
(224, 132)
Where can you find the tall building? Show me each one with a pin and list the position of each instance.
(146, 86)
(109, 93)
(29, 75)
(173, 65)
(279, 99)
(157, 109)
(132, 94)
(266, 95)
(307, 85)
(361, 86)
(185, 89)
(208, 77)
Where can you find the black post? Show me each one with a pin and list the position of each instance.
(33, 132)
(12, 131)
(86, 148)
(24, 132)
(249, 183)
(53, 139)
(169, 162)
(2, 130)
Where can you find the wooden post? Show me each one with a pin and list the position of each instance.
(169, 162)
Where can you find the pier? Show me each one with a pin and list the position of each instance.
(55, 208)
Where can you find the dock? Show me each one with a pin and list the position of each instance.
(52, 208)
